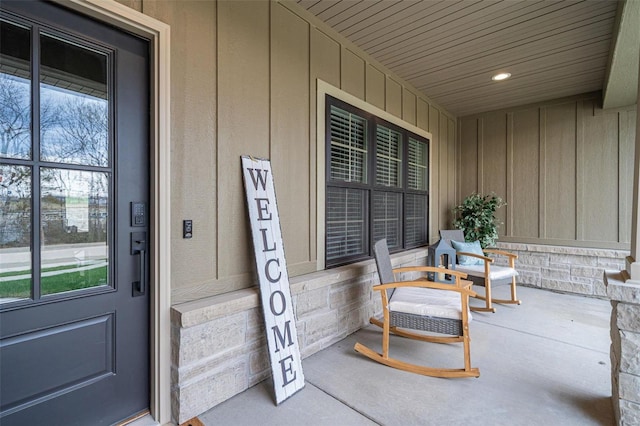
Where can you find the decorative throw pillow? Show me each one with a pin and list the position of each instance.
(473, 247)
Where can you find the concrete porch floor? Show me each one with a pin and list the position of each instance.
(545, 362)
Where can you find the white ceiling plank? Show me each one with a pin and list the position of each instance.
(448, 49)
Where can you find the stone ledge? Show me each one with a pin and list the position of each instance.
(190, 314)
(621, 289)
(580, 251)
(200, 311)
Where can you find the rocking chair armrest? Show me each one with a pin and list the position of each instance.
(501, 252)
(461, 275)
(426, 284)
(478, 256)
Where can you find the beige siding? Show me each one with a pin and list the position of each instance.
(193, 136)
(468, 163)
(524, 135)
(625, 191)
(558, 165)
(494, 157)
(409, 107)
(243, 123)
(434, 129)
(598, 207)
(394, 97)
(422, 114)
(244, 77)
(375, 89)
(290, 132)
(352, 73)
(443, 175)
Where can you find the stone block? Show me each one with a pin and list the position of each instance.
(320, 326)
(587, 271)
(600, 289)
(623, 291)
(560, 272)
(198, 396)
(357, 319)
(529, 277)
(259, 361)
(630, 352)
(255, 324)
(609, 263)
(263, 375)
(561, 258)
(311, 301)
(511, 246)
(567, 286)
(629, 413)
(214, 336)
(629, 386)
(204, 310)
(533, 259)
(350, 293)
(209, 365)
(628, 317)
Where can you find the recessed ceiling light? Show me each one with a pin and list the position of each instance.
(501, 76)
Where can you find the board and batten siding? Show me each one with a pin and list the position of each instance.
(243, 82)
(563, 167)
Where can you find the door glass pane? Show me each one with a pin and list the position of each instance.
(74, 212)
(15, 233)
(74, 109)
(15, 91)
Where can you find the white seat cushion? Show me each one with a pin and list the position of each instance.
(497, 272)
(427, 302)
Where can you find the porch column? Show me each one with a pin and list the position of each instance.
(623, 288)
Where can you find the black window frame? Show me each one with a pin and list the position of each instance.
(371, 188)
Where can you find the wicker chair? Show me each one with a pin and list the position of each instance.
(485, 273)
(423, 306)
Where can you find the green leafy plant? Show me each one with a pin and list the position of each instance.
(476, 217)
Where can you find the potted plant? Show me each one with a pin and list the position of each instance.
(476, 217)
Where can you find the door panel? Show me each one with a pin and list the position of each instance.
(74, 343)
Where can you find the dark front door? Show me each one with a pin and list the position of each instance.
(74, 219)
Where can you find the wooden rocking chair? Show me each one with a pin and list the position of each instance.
(485, 273)
(423, 306)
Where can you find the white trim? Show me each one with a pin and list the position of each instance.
(158, 34)
(323, 89)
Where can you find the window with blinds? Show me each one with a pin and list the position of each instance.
(377, 185)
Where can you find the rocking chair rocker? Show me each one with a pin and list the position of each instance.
(423, 306)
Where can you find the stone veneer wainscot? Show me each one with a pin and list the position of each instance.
(625, 347)
(219, 348)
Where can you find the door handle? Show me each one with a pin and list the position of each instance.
(139, 247)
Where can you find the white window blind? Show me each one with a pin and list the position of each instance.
(388, 157)
(387, 218)
(348, 146)
(346, 222)
(416, 220)
(417, 163)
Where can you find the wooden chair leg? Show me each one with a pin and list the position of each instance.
(514, 300)
(487, 299)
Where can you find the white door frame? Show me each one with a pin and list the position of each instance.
(160, 129)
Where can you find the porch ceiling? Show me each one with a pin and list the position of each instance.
(450, 49)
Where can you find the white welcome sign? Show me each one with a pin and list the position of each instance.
(280, 324)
